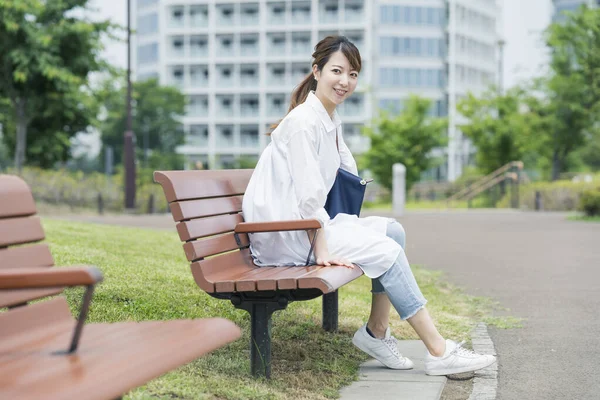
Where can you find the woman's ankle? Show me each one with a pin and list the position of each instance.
(438, 348)
(378, 330)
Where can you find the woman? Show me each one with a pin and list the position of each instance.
(291, 181)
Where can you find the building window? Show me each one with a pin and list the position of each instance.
(147, 53)
(412, 77)
(411, 15)
(147, 24)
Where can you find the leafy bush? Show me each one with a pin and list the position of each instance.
(589, 202)
(555, 196)
(80, 190)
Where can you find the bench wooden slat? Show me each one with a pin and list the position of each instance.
(329, 279)
(24, 319)
(198, 228)
(187, 185)
(37, 255)
(15, 197)
(197, 249)
(191, 209)
(209, 272)
(114, 359)
(20, 230)
(9, 298)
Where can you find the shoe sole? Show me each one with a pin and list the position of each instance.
(355, 342)
(453, 371)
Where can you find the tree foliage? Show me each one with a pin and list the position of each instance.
(156, 115)
(407, 138)
(573, 86)
(503, 127)
(46, 56)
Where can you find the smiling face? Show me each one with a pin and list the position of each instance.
(336, 81)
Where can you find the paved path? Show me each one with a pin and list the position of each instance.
(380, 383)
(543, 267)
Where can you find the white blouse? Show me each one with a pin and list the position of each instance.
(291, 181)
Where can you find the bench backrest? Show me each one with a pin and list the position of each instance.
(20, 232)
(207, 206)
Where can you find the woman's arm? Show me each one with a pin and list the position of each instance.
(322, 255)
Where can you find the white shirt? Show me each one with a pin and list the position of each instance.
(291, 181)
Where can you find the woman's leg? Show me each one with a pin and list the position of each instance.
(406, 297)
(379, 318)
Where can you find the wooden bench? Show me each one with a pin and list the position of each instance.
(45, 353)
(207, 207)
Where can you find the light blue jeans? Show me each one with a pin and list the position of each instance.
(398, 282)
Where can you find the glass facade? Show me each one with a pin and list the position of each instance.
(412, 46)
(147, 53)
(412, 15)
(412, 77)
(147, 24)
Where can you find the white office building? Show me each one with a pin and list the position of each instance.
(238, 62)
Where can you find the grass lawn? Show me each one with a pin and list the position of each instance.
(585, 218)
(147, 278)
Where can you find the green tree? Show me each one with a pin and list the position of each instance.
(47, 55)
(156, 120)
(503, 127)
(573, 87)
(407, 138)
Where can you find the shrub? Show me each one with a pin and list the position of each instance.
(79, 190)
(589, 202)
(555, 196)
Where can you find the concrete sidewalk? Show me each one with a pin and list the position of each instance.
(381, 383)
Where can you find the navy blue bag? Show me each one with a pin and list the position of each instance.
(346, 195)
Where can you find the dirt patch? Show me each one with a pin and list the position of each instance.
(458, 387)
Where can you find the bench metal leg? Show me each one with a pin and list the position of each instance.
(330, 311)
(260, 311)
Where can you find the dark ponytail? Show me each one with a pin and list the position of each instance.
(323, 51)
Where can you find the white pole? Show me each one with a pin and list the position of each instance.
(398, 189)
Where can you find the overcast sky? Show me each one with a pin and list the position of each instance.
(523, 24)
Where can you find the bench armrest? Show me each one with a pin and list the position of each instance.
(277, 226)
(29, 278)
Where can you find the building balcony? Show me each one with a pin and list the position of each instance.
(301, 48)
(248, 112)
(354, 16)
(249, 19)
(199, 52)
(277, 111)
(326, 17)
(249, 51)
(224, 141)
(249, 141)
(301, 18)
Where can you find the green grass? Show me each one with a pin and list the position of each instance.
(416, 205)
(148, 278)
(585, 218)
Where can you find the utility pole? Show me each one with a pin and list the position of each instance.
(129, 137)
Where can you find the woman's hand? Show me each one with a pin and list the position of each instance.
(331, 260)
(322, 253)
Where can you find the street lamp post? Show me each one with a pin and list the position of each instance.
(501, 44)
(129, 137)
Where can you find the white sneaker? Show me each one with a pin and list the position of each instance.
(383, 350)
(456, 360)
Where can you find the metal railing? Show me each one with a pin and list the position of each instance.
(512, 172)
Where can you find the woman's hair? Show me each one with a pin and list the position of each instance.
(323, 51)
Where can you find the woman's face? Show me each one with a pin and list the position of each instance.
(336, 81)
